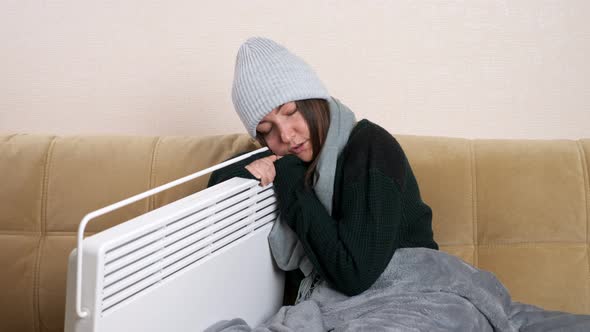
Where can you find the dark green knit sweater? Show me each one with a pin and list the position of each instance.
(377, 208)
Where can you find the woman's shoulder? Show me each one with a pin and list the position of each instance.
(371, 146)
(366, 134)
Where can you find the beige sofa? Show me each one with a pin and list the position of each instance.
(518, 208)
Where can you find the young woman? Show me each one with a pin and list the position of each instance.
(348, 201)
(344, 187)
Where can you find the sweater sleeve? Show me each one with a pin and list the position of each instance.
(237, 169)
(353, 247)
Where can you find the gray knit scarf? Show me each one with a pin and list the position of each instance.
(286, 248)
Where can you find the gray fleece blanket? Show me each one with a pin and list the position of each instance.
(421, 290)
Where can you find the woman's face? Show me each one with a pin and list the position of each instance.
(286, 132)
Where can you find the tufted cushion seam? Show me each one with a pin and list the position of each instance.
(509, 243)
(47, 233)
(584, 161)
(14, 232)
(152, 173)
(43, 229)
(474, 204)
(532, 244)
(36, 281)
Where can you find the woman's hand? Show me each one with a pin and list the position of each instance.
(264, 169)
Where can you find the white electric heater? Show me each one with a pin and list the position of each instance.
(181, 267)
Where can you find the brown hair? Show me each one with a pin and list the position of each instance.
(316, 114)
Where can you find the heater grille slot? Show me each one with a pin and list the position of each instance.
(137, 264)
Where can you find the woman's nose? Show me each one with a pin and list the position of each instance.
(287, 135)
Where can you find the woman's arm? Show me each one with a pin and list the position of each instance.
(237, 169)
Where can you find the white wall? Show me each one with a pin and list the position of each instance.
(498, 69)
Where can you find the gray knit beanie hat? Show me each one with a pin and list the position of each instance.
(266, 76)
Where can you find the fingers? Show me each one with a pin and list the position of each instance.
(266, 177)
(263, 169)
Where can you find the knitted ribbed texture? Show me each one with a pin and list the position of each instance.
(377, 209)
(266, 76)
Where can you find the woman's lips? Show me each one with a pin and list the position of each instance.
(298, 148)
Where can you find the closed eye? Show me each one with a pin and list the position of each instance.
(291, 112)
(264, 129)
(287, 110)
